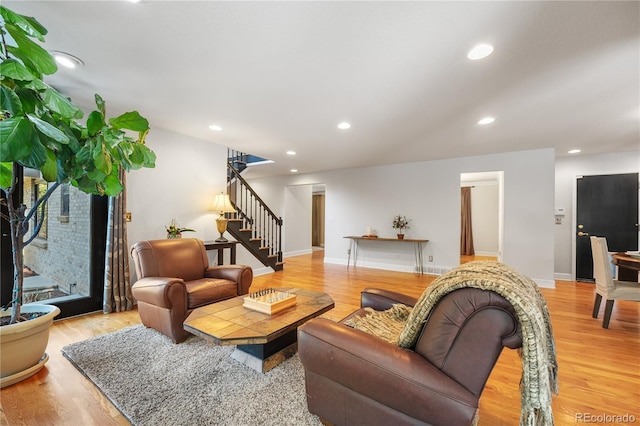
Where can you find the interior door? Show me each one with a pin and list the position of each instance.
(607, 206)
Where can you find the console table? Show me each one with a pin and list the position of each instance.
(212, 245)
(418, 245)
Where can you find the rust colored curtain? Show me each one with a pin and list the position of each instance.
(466, 233)
(117, 284)
(317, 226)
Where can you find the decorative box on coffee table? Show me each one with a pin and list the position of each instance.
(269, 301)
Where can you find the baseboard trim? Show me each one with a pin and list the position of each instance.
(545, 283)
(297, 253)
(262, 271)
(563, 277)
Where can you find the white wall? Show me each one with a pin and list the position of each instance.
(188, 173)
(297, 233)
(567, 170)
(429, 194)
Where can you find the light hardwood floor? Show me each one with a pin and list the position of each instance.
(599, 369)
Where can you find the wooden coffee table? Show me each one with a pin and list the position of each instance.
(263, 341)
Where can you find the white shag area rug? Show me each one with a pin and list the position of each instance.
(153, 381)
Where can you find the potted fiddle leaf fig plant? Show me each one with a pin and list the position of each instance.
(39, 129)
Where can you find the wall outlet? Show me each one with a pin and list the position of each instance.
(430, 258)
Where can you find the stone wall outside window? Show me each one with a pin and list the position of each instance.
(64, 258)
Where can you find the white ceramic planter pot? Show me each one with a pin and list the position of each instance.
(23, 345)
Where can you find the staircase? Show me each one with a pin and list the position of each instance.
(257, 228)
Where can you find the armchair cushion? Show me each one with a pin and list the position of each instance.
(202, 292)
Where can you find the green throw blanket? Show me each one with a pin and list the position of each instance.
(539, 367)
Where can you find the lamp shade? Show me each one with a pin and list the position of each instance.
(222, 204)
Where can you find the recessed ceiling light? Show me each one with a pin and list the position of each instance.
(215, 128)
(480, 51)
(291, 153)
(344, 125)
(573, 151)
(294, 170)
(66, 59)
(486, 120)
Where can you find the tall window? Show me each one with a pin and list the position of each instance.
(39, 189)
(64, 201)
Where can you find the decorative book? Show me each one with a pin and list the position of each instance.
(269, 301)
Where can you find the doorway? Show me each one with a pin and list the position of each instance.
(482, 219)
(304, 229)
(606, 206)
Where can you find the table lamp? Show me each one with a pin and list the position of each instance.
(222, 204)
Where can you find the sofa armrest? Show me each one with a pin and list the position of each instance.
(165, 292)
(381, 300)
(241, 274)
(393, 376)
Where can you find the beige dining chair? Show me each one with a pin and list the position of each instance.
(606, 286)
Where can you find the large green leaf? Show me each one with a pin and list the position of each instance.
(6, 174)
(136, 156)
(149, 157)
(86, 185)
(35, 84)
(96, 175)
(15, 70)
(58, 103)
(95, 123)
(9, 101)
(102, 159)
(15, 139)
(112, 184)
(27, 24)
(100, 104)
(50, 168)
(130, 120)
(28, 98)
(48, 130)
(37, 155)
(83, 155)
(26, 59)
(39, 58)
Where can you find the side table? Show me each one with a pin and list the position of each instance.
(212, 245)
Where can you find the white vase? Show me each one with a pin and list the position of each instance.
(23, 345)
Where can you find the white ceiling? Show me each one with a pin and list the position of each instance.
(280, 76)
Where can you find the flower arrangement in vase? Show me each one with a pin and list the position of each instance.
(401, 223)
(174, 231)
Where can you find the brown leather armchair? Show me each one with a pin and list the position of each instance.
(354, 378)
(174, 278)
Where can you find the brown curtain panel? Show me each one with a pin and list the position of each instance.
(117, 283)
(466, 233)
(317, 226)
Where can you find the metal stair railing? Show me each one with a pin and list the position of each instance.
(265, 225)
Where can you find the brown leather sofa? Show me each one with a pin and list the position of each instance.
(354, 378)
(174, 278)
